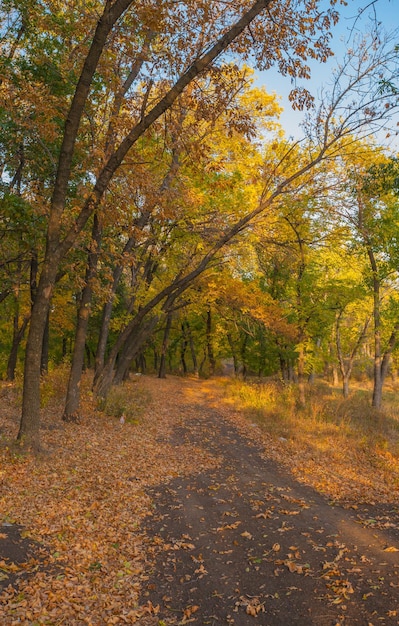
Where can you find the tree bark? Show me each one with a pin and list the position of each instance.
(301, 376)
(132, 343)
(209, 343)
(192, 350)
(346, 368)
(18, 333)
(243, 352)
(233, 353)
(183, 348)
(377, 375)
(29, 428)
(71, 409)
(45, 347)
(165, 342)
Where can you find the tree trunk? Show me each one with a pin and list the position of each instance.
(201, 365)
(345, 385)
(346, 369)
(378, 382)
(388, 352)
(155, 358)
(45, 347)
(133, 346)
(165, 342)
(243, 352)
(18, 334)
(142, 363)
(107, 314)
(192, 350)
(334, 375)
(209, 343)
(88, 354)
(233, 353)
(183, 348)
(132, 340)
(301, 376)
(71, 408)
(29, 430)
(283, 368)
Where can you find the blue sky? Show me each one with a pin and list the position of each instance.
(353, 19)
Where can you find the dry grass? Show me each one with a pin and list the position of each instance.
(343, 447)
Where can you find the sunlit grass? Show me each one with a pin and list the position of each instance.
(343, 446)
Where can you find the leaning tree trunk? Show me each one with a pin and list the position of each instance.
(72, 402)
(133, 347)
(18, 333)
(107, 314)
(29, 430)
(132, 340)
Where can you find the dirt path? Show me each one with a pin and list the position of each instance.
(245, 543)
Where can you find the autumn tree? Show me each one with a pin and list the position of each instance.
(166, 170)
(156, 51)
(283, 171)
(372, 211)
(172, 44)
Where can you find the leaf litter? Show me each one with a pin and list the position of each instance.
(87, 500)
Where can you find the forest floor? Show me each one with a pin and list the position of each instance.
(190, 514)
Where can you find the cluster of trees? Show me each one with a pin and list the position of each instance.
(154, 214)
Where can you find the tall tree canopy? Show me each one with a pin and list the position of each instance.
(112, 119)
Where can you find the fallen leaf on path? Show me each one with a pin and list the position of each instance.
(253, 606)
(265, 515)
(188, 612)
(228, 526)
(246, 534)
(201, 570)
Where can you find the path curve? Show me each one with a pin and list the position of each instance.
(246, 544)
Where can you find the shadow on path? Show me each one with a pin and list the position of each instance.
(246, 544)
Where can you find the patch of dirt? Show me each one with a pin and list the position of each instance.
(20, 557)
(245, 543)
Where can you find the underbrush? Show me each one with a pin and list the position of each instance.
(127, 401)
(334, 438)
(130, 399)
